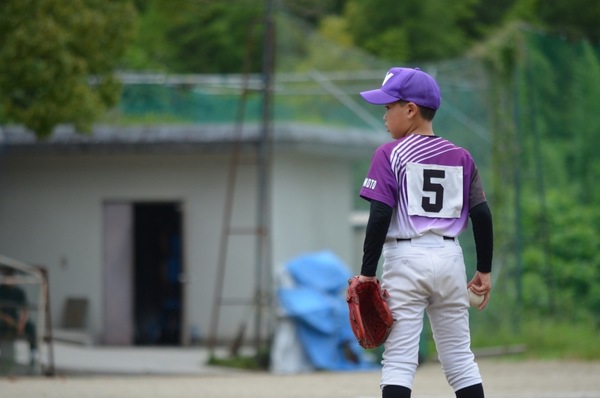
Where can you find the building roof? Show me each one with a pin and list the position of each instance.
(339, 141)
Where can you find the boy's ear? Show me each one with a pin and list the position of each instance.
(413, 108)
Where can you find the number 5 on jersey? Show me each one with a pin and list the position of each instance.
(434, 191)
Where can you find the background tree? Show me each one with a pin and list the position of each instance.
(576, 19)
(49, 51)
(208, 36)
(200, 36)
(432, 30)
(409, 31)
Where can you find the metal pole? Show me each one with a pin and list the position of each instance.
(263, 289)
(517, 199)
(48, 337)
(539, 177)
(229, 197)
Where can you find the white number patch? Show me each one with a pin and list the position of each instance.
(434, 190)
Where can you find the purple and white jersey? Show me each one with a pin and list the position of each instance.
(429, 182)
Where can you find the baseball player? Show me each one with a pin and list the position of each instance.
(422, 189)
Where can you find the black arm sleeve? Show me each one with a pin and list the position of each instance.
(483, 232)
(380, 216)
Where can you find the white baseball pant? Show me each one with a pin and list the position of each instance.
(427, 274)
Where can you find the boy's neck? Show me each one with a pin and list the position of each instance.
(423, 128)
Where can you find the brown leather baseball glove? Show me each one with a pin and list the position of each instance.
(370, 316)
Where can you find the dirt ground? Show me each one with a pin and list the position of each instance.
(502, 378)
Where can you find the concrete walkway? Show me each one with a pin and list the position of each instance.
(77, 360)
(73, 360)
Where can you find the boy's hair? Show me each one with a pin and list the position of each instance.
(426, 113)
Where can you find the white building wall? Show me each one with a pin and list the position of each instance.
(51, 214)
(312, 206)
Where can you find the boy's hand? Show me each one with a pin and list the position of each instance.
(481, 284)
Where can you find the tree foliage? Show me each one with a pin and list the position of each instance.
(207, 36)
(576, 19)
(50, 49)
(546, 90)
(202, 36)
(431, 30)
(409, 31)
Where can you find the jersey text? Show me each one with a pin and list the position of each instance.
(370, 183)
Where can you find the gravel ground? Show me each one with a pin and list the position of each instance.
(502, 378)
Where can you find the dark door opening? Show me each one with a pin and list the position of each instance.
(157, 273)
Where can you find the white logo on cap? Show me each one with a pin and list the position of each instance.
(387, 77)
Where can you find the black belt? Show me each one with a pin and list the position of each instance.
(404, 239)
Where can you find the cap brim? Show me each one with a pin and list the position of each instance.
(378, 97)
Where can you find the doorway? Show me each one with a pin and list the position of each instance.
(157, 273)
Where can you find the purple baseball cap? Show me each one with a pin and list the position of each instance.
(408, 84)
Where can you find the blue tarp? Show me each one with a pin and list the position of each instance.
(317, 304)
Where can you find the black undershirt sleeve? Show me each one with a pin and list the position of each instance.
(483, 233)
(380, 216)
